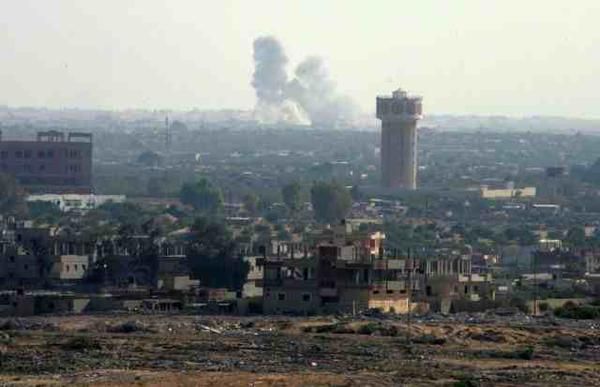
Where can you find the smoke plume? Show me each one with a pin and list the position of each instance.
(308, 98)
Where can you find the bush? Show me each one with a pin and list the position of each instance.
(82, 343)
(488, 336)
(466, 382)
(596, 302)
(543, 306)
(519, 303)
(12, 325)
(581, 312)
(526, 354)
(129, 327)
(567, 342)
(368, 329)
(429, 340)
(329, 328)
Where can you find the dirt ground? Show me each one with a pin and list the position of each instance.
(159, 350)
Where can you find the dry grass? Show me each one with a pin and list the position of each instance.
(180, 350)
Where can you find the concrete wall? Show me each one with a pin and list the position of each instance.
(14, 305)
(397, 305)
(70, 267)
(18, 269)
(290, 300)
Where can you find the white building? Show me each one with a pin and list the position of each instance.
(76, 202)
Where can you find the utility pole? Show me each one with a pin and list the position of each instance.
(168, 139)
(409, 296)
(535, 285)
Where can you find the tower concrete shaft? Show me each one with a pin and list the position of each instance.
(399, 115)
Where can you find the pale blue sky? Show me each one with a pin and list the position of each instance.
(514, 57)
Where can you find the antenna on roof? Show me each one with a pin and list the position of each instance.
(167, 134)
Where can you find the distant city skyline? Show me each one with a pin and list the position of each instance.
(515, 58)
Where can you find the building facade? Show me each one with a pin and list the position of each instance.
(76, 202)
(350, 271)
(55, 162)
(337, 277)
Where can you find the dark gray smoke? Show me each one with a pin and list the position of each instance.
(308, 98)
(270, 77)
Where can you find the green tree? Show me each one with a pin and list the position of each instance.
(356, 193)
(44, 212)
(575, 237)
(522, 234)
(11, 196)
(121, 213)
(527, 237)
(251, 203)
(212, 256)
(292, 196)
(150, 159)
(331, 201)
(156, 187)
(592, 175)
(203, 196)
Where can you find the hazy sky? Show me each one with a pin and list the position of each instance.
(514, 57)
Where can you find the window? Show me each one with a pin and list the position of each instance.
(68, 268)
(306, 297)
(26, 266)
(41, 154)
(12, 258)
(19, 154)
(466, 289)
(27, 154)
(75, 267)
(83, 267)
(42, 167)
(4, 155)
(281, 296)
(50, 154)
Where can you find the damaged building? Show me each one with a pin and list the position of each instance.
(350, 271)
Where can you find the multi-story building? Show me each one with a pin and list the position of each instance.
(349, 271)
(337, 277)
(52, 163)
